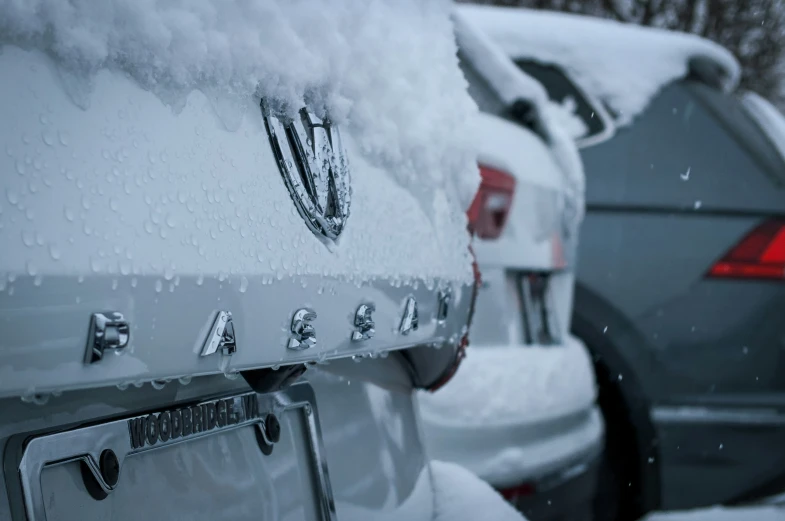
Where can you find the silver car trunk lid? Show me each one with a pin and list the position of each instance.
(132, 236)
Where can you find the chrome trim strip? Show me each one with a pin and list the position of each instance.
(86, 444)
(709, 415)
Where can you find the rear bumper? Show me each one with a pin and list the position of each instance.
(563, 495)
(510, 415)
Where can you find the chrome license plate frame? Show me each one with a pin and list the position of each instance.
(85, 444)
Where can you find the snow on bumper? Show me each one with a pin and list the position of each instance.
(514, 413)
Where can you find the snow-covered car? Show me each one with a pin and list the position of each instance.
(232, 245)
(521, 412)
(679, 288)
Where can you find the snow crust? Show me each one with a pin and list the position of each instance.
(460, 495)
(386, 69)
(78, 121)
(514, 385)
(717, 513)
(621, 64)
(557, 449)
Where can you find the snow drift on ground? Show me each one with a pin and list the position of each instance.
(374, 66)
(511, 84)
(501, 385)
(763, 513)
(462, 495)
(623, 65)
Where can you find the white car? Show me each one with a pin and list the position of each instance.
(227, 260)
(521, 412)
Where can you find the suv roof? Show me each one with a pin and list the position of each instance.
(589, 50)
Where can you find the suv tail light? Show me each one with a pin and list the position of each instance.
(760, 255)
(491, 205)
(464, 343)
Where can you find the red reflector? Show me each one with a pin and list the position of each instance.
(491, 205)
(525, 489)
(760, 255)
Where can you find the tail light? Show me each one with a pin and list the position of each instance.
(491, 205)
(522, 490)
(760, 255)
(460, 354)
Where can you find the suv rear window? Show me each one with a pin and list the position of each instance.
(560, 89)
(731, 114)
(521, 112)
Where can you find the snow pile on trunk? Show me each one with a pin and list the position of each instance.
(462, 495)
(768, 118)
(386, 69)
(511, 84)
(624, 65)
(503, 385)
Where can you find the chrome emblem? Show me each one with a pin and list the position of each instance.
(314, 167)
(410, 321)
(303, 333)
(221, 336)
(108, 330)
(363, 322)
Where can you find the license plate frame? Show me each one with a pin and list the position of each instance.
(85, 444)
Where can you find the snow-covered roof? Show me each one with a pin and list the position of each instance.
(511, 84)
(624, 65)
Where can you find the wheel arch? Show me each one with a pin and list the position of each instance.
(625, 405)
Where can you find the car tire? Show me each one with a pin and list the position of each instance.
(607, 500)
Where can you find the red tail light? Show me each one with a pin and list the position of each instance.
(461, 352)
(760, 255)
(523, 490)
(491, 205)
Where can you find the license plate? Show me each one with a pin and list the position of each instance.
(212, 460)
(539, 315)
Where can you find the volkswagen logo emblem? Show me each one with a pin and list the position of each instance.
(314, 168)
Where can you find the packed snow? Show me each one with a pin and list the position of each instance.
(443, 492)
(511, 84)
(508, 385)
(460, 495)
(136, 195)
(756, 513)
(621, 64)
(515, 413)
(374, 66)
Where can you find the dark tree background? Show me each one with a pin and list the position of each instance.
(753, 30)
